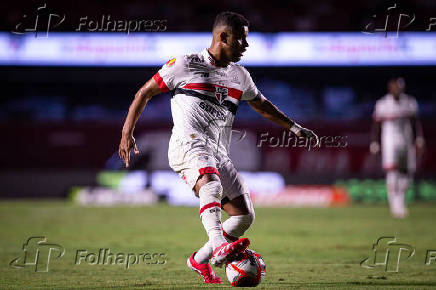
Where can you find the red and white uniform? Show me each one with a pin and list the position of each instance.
(398, 151)
(204, 102)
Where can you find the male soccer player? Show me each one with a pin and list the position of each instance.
(206, 89)
(396, 122)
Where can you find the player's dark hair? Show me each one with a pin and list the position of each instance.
(396, 79)
(232, 19)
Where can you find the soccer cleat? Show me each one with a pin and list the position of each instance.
(228, 251)
(204, 270)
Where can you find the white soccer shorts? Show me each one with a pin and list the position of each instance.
(193, 158)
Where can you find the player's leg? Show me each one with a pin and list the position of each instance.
(407, 170)
(241, 212)
(393, 158)
(209, 189)
(397, 183)
(392, 177)
(236, 202)
(403, 184)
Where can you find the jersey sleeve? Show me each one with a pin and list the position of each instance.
(170, 75)
(250, 90)
(377, 115)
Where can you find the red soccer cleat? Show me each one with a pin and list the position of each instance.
(204, 270)
(227, 251)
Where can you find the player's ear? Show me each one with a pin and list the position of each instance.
(223, 37)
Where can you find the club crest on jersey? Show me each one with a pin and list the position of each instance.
(221, 94)
(171, 62)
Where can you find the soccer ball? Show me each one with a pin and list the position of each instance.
(247, 270)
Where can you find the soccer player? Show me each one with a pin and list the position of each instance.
(206, 89)
(397, 125)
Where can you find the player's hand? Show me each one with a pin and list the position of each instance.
(420, 145)
(374, 147)
(127, 143)
(304, 132)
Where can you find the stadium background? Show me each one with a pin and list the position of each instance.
(61, 124)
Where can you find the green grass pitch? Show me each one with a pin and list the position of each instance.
(303, 248)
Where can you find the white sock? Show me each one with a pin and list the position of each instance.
(204, 254)
(210, 211)
(233, 228)
(392, 177)
(403, 184)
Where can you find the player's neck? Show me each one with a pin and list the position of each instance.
(396, 97)
(215, 53)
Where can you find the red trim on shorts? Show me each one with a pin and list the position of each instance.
(229, 237)
(209, 205)
(162, 85)
(390, 167)
(208, 170)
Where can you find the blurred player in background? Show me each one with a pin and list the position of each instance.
(206, 89)
(397, 128)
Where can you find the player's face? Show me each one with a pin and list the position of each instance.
(237, 43)
(396, 87)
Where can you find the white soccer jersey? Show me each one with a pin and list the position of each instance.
(205, 97)
(396, 135)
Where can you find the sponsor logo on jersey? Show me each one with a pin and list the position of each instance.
(212, 111)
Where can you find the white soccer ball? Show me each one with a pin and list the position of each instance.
(247, 270)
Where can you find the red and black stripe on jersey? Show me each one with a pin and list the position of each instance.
(192, 90)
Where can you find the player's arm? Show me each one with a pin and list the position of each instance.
(144, 94)
(270, 112)
(418, 133)
(374, 146)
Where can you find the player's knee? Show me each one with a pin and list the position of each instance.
(245, 221)
(249, 219)
(203, 180)
(252, 217)
(211, 190)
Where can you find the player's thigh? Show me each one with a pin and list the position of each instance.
(389, 157)
(194, 161)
